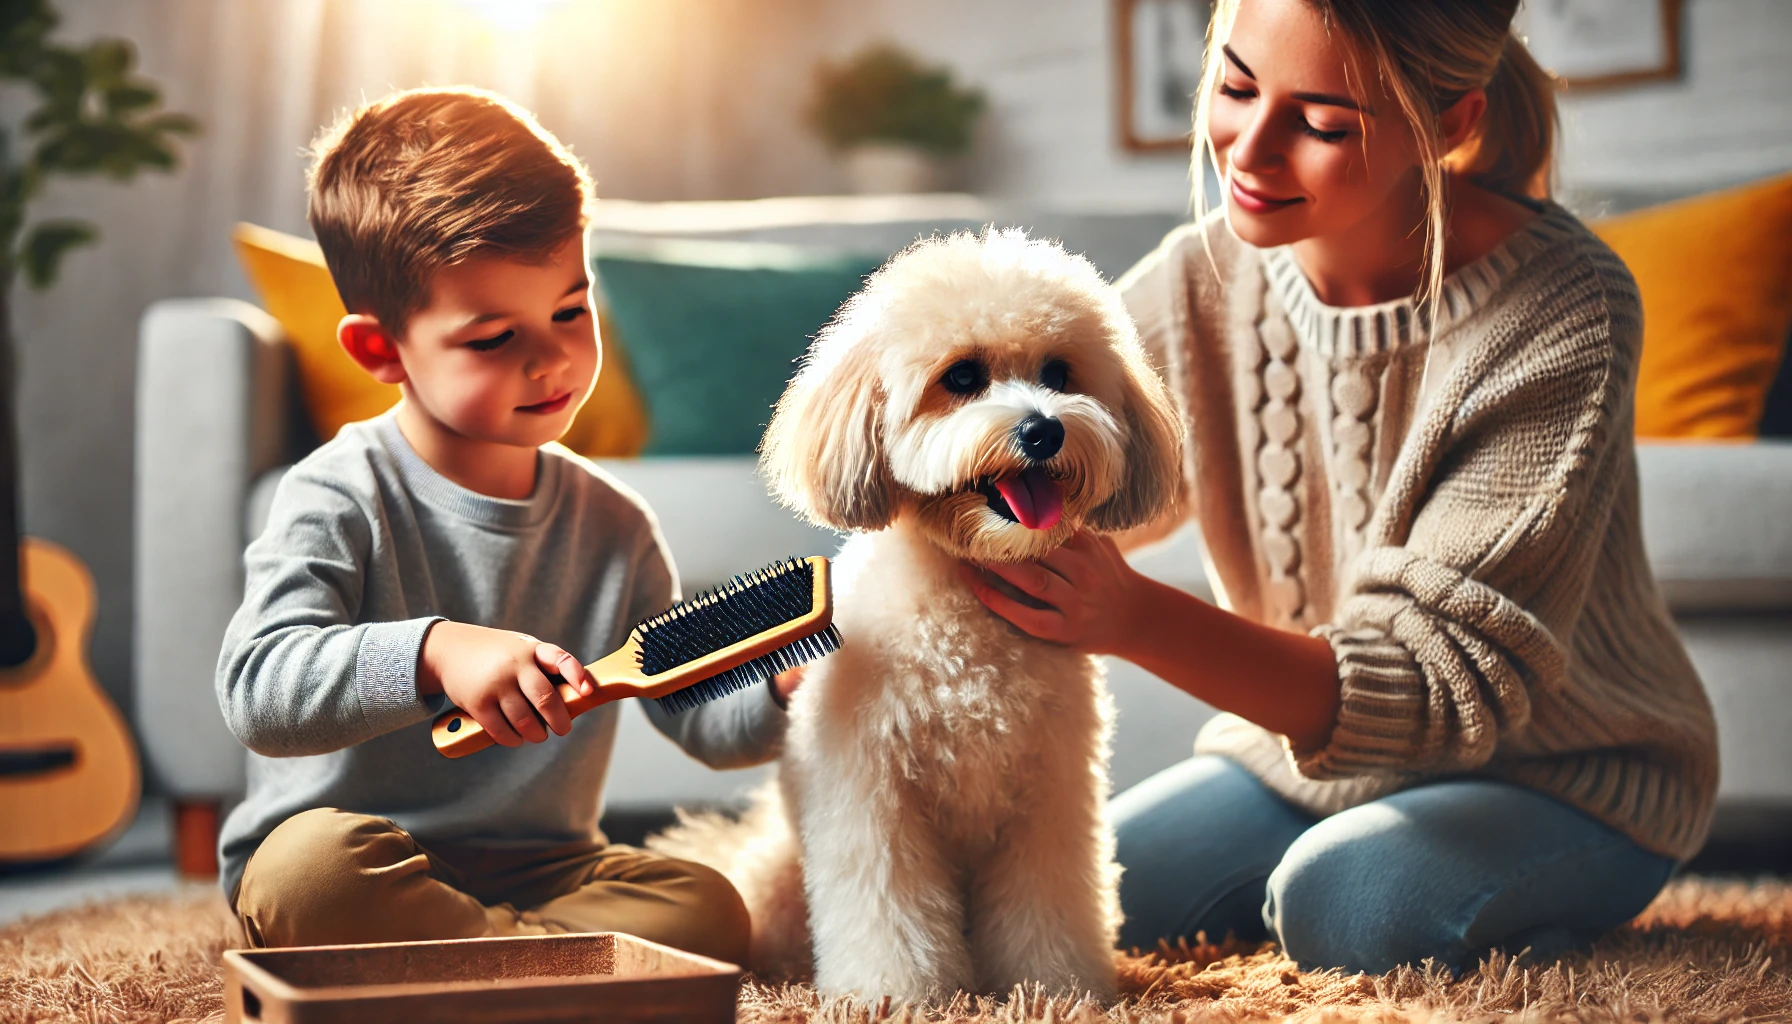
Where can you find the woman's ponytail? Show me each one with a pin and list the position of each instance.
(1513, 149)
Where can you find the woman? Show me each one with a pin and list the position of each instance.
(1460, 717)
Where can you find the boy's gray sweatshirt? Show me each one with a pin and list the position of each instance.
(366, 546)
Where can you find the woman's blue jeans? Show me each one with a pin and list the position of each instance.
(1445, 871)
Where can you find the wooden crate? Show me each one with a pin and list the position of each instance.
(595, 977)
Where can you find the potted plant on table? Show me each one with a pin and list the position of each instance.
(894, 120)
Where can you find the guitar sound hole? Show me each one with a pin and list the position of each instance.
(40, 638)
(36, 760)
(18, 642)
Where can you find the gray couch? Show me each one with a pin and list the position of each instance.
(217, 422)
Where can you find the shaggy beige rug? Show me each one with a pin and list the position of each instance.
(1706, 951)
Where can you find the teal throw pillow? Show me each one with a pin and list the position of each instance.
(715, 328)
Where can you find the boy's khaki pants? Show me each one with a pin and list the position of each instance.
(326, 876)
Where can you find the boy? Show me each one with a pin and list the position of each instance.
(414, 560)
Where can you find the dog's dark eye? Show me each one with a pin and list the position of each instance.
(1056, 375)
(965, 377)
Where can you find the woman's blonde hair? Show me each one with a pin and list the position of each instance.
(1428, 55)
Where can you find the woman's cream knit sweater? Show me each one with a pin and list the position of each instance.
(1464, 534)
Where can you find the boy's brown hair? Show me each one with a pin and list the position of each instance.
(427, 178)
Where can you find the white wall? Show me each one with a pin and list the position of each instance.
(1045, 66)
(1729, 119)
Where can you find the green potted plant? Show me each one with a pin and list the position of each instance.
(894, 120)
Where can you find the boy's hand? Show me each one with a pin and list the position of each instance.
(1087, 586)
(501, 679)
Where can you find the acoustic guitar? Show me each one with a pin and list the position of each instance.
(68, 768)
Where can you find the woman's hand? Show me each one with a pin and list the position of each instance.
(1091, 591)
(1286, 682)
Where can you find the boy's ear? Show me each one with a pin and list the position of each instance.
(372, 346)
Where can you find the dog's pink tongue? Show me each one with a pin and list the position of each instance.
(1034, 498)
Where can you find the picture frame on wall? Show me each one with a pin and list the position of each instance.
(1599, 44)
(1158, 49)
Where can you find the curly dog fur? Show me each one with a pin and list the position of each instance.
(937, 822)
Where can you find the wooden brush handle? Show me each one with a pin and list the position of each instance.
(456, 734)
(618, 674)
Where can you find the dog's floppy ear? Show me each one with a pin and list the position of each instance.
(1151, 484)
(823, 453)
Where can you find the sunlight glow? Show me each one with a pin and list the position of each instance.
(512, 15)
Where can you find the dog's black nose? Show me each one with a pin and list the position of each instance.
(1040, 437)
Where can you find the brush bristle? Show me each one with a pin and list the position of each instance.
(742, 608)
(753, 672)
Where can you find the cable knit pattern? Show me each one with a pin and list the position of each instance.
(1455, 512)
(1276, 392)
(1353, 405)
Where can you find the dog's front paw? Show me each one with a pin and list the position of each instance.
(1050, 961)
(898, 974)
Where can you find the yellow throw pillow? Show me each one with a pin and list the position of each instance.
(295, 286)
(1715, 273)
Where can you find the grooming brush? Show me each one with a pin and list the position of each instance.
(738, 635)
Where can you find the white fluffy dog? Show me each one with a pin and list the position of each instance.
(940, 797)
